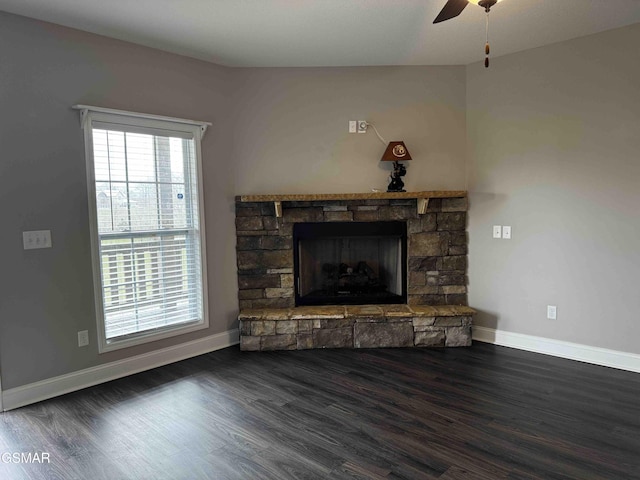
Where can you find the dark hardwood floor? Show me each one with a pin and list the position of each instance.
(483, 412)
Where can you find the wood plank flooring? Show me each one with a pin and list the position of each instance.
(484, 412)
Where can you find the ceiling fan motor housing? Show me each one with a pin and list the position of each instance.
(487, 4)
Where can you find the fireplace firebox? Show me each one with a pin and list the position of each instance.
(355, 263)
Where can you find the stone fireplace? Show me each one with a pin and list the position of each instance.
(419, 264)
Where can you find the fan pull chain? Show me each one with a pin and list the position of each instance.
(486, 45)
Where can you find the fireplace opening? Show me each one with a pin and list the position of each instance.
(355, 263)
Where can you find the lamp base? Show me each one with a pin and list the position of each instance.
(396, 185)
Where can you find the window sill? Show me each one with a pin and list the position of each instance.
(151, 336)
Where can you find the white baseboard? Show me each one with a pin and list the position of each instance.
(559, 348)
(53, 387)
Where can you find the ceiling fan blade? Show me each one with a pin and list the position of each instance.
(452, 8)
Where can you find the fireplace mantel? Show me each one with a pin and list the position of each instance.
(421, 197)
(311, 197)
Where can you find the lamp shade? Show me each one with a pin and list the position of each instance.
(396, 152)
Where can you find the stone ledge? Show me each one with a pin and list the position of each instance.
(350, 311)
(359, 326)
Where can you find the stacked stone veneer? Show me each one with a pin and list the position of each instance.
(437, 246)
(365, 326)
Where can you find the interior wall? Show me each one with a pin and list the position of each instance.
(274, 131)
(553, 142)
(291, 128)
(47, 294)
(552, 151)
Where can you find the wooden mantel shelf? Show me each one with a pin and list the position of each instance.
(312, 197)
(421, 197)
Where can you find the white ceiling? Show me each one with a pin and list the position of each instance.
(331, 32)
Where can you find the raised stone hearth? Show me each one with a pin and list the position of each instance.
(361, 326)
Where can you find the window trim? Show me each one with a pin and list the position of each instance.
(191, 128)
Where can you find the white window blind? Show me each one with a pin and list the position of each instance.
(147, 228)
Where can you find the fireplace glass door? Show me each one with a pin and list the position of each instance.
(352, 263)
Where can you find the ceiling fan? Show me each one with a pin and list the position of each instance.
(453, 8)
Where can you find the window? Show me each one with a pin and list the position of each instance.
(147, 230)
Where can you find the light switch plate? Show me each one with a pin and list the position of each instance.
(506, 232)
(36, 239)
(83, 338)
(552, 312)
(497, 231)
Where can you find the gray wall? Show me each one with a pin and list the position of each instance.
(553, 142)
(551, 151)
(275, 131)
(46, 295)
(291, 132)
